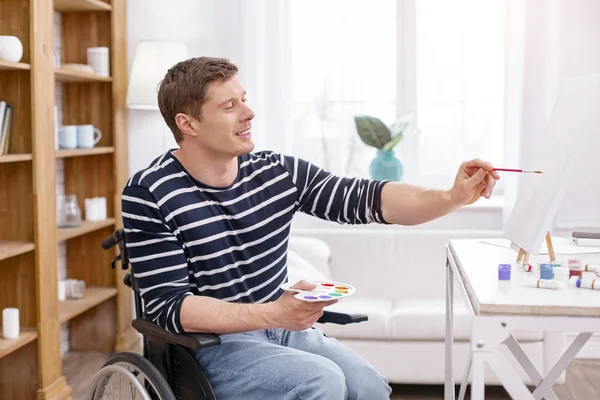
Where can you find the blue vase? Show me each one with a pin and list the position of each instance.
(386, 166)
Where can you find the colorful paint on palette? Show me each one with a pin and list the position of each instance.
(322, 291)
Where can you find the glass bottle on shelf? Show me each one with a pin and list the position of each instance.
(69, 213)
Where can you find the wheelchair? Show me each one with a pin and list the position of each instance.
(166, 370)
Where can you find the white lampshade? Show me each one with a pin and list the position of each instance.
(150, 64)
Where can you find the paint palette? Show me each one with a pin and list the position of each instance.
(324, 291)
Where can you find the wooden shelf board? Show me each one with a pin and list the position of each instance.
(66, 75)
(9, 158)
(81, 5)
(9, 65)
(13, 248)
(93, 296)
(7, 346)
(84, 152)
(85, 227)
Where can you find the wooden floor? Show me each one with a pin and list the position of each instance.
(582, 382)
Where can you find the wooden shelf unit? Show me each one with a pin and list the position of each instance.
(16, 66)
(71, 308)
(31, 366)
(10, 249)
(26, 335)
(81, 5)
(84, 152)
(66, 75)
(85, 227)
(10, 158)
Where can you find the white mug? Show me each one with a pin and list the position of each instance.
(86, 136)
(10, 323)
(98, 58)
(62, 291)
(67, 136)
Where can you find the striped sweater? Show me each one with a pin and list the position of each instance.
(187, 238)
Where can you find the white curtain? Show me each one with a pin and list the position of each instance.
(547, 40)
(254, 35)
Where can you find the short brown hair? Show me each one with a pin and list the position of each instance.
(185, 84)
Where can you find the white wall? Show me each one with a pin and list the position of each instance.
(188, 21)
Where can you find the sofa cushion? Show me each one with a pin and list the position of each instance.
(300, 269)
(378, 326)
(424, 319)
(314, 251)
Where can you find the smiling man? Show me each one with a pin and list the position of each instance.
(207, 228)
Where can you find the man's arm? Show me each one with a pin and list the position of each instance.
(334, 198)
(406, 204)
(159, 264)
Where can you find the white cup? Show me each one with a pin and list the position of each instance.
(95, 209)
(98, 58)
(67, 136)
(62, 290)
(10, 323)
(11, 48)
(88, 136)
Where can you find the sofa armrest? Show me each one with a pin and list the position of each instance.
(192, 341)
(341, 318)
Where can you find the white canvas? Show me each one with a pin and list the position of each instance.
(568, 138)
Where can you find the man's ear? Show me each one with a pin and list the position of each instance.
(184, 123)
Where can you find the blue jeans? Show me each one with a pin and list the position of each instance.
(279, 364)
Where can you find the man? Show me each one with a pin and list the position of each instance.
(207, 228)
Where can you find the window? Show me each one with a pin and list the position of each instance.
(442, 60)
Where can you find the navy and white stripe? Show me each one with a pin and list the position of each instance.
(186, 238)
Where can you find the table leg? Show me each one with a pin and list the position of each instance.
(531, 370)
(508, 376)
(562, 364)
(465, 380)
(449, 381)
(478, 379)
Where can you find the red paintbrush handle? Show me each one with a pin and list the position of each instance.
(507, 169)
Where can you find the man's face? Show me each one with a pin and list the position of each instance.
(224, 128)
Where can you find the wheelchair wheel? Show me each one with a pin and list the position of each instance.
(132, 376)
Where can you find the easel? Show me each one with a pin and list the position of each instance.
(524, 256)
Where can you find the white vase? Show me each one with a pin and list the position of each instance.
(11, 48)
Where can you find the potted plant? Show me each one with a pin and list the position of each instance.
(373, 132)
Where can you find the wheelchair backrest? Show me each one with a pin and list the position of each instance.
(118, 238)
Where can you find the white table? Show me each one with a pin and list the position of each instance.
(500, 308)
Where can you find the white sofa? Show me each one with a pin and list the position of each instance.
(399, 275)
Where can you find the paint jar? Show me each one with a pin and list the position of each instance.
(546, 271)
(575, 267)
(504, 272)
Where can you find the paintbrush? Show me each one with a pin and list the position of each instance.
(516, 170)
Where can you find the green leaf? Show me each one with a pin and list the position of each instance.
(392, 143)
(372, 131)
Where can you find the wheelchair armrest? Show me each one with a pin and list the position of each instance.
(341, 318)
(191, 341)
